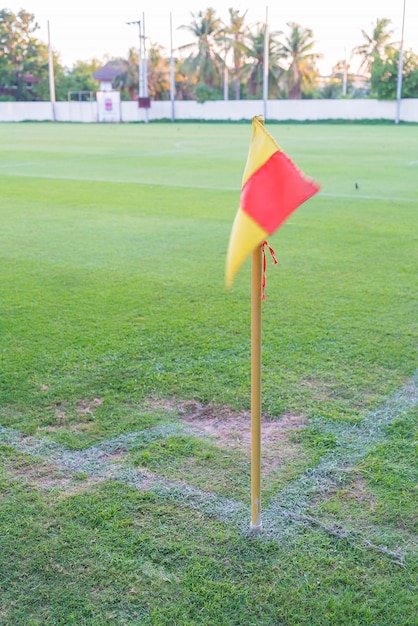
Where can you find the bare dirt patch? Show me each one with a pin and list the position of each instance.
(48, 477)
(86, 407)
(79, 487)
(233, 430)
(163, 404)
(40, 476)
(359, 492)
(75, 420)
(79, 421)
(72, 427)
(60, 413)
(355, 492)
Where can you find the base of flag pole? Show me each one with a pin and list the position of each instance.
(256, 528)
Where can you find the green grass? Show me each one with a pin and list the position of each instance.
(112, 247)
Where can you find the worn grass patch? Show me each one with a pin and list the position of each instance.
(385, 483)
(198, 463)
(33, 472)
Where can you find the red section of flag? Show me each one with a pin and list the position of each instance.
(274, 191)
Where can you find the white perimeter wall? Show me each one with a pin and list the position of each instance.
(297, 110)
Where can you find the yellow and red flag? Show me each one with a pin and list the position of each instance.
(272, 188)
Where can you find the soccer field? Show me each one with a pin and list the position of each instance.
(124, 379)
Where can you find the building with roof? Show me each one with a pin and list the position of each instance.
(109, 72)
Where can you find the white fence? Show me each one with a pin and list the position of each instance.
(297, 110)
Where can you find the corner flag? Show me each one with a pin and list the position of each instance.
(272, 188)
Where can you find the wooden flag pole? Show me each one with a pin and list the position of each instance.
(256, 279)
(272, 188)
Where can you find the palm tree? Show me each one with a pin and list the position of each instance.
(297, 49)
(185, 84)
(254, 68)
(206, 63)
(127, 78)
(236, 34)
(158, 73)
(375, 44)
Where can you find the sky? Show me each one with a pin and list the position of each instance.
(86, 29)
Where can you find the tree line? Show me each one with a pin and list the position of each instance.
(222, 60)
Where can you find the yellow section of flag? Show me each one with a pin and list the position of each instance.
(246, 234)
(262, 147)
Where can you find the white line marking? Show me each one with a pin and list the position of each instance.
(125, 181)
(287, 512)
(361, 197)
(353, 443)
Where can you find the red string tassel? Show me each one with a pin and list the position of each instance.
(264, 277)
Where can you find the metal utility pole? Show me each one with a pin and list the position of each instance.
(51, 77)
(142, 63)
(266, 66)
(172, 84)
(138, 22)
(144, 60)
(400, 69)
(226, 73)
(226, 80)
